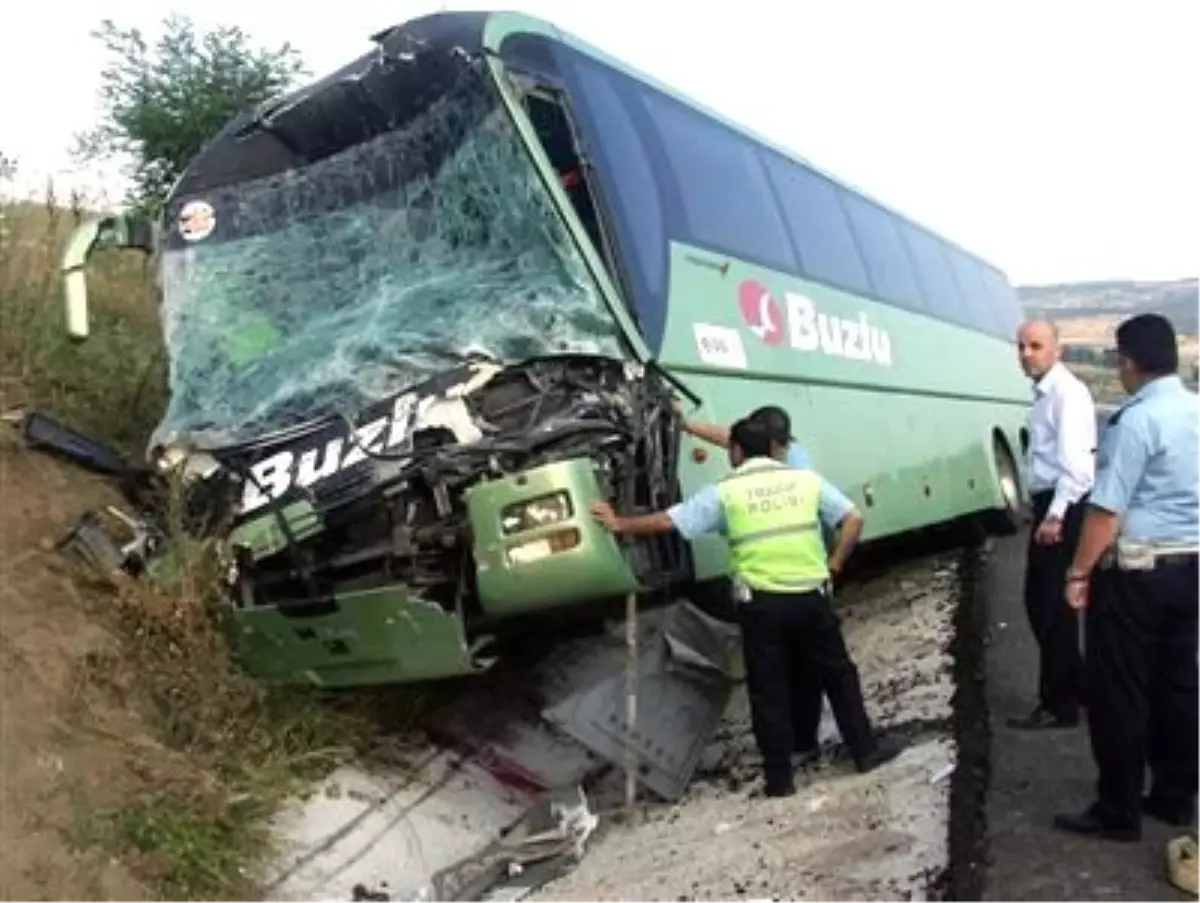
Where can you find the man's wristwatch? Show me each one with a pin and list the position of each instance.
(1074, 576)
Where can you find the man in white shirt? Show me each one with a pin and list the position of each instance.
(1062, 469)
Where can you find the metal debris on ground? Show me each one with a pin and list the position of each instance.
(544, 844)
(44, 433)
(92, 542)
(495, 806)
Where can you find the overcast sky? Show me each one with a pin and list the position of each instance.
(1057, 139)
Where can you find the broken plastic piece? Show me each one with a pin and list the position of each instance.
(44, 432)
(548, 840)
(93, 543)
(90, 543)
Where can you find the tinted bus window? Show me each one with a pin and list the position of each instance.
(883, 252)
(818, 224)
(933, 269)
(727, 202)
(976, 303)
(628, 183)
(1002, 299)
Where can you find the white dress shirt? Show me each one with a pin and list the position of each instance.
(1062, 442)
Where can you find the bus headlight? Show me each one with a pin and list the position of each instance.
(543, 547)
(542, 511)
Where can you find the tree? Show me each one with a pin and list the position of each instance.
(161, 104)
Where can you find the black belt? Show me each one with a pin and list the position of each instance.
(1161, 560)
(1168, 559)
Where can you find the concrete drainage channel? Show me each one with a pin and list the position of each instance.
(514, 791)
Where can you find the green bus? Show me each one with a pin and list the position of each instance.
(419, 313)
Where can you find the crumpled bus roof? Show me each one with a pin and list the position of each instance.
(380, 91)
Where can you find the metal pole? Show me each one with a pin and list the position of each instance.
(631, 662)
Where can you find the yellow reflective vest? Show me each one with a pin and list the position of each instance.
(772, 526)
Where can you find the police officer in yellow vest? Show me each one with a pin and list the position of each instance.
(770, 514)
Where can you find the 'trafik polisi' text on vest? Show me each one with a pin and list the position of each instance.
(772, 527)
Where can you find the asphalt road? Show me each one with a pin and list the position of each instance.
(1036, 774)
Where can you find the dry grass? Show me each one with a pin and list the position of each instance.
(119, 371)
(243, 747)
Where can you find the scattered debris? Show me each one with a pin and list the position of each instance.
(43, 432)
(92, 543)
(485, 809)
(544, 844)
(1182, 863)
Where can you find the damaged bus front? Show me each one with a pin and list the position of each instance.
(400, 369)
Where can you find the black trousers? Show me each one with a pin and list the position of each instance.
(1141, 672)
(807, 697)
(789, 634)
(1055, 624)
(806, 685)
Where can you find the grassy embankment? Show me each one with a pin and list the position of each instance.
(230, 749)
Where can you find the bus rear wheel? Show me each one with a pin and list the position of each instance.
(1006, 519)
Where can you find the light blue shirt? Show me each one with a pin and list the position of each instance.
(798, 457)
(704, 513)
(1149, 464)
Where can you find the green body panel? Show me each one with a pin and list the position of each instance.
(264, 536)
(908, 432)
(374, 636)
(911, 442)
(594, 568)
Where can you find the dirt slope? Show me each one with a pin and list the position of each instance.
(63, 749)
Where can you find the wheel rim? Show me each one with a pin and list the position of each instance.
(1008, 479)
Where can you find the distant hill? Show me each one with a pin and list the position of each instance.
(1089, 311)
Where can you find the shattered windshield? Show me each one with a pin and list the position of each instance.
(331, 287)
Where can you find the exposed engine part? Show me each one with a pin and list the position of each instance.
(393, 512)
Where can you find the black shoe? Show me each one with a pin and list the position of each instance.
(885, 750)
(1091, 824)
(1040, 719)
(778, 791)
(1167, 813)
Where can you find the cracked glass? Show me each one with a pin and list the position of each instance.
(324, 289)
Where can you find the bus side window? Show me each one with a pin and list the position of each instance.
(933, 269)
(817, 224)
(1005, 308)
(628, 183)
(974, 293)
(727, 201)
(883, 252)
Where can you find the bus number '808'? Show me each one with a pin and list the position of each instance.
(720, 346)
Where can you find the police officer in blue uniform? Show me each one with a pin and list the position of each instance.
(807, 699)
(1135, 572)
(769, 513)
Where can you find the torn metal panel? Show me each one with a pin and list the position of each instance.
(548, 841)
(682, 705)
(96, 543)
(389, 833)
(357, 638)
(697, 640)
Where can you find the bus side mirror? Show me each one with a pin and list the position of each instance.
(107, 233)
